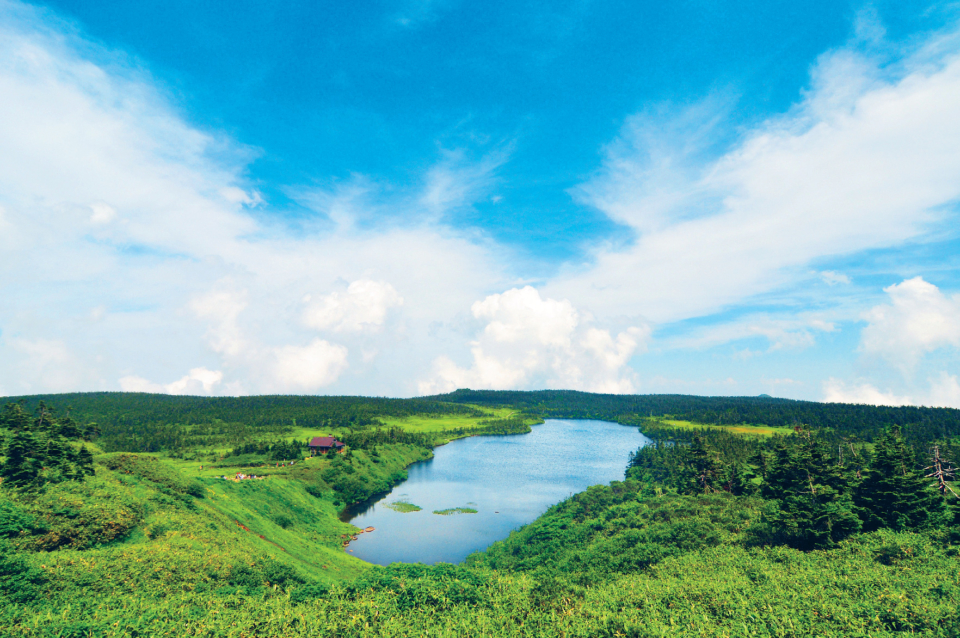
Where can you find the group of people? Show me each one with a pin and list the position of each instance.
(240, 476)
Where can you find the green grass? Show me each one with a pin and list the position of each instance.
(746, 430)
(153, 546)
(404, 507)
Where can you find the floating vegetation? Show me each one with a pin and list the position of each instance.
(455, 510)
(403, 507)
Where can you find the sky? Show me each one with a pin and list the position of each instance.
(406, 197)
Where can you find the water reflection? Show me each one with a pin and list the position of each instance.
(509, 480)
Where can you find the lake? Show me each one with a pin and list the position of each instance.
(510, 481)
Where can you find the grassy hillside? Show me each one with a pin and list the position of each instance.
(711, 533)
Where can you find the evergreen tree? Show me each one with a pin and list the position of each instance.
(91, 431)
(761, 463)
(68, 428)
(84, 462)
(15, 418)
(894, 493)
(702, 471)
(814, 505)
(21, 468)
(44, 419)
(735, 481)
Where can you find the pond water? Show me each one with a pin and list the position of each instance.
(509, 480)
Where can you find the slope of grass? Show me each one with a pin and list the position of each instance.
(745, 430)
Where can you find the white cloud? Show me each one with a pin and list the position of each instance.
(222, 308)
(102, 213)
(110, 199)
(363, 307)
(235, 195)
(529, 341)
(836, 391)
(133, 383)
(43, 365)
(793, 333)
(869, 158)
(832, 278)
(943, 392)
(919, 319)
(189, 275)
(310, 367)
(199, 381)
(455, 182)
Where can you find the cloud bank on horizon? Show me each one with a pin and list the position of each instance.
(154, 237)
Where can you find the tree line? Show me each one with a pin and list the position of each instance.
(817, 494)
(140, 422)
(832, 420)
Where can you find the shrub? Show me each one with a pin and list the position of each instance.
(155, 471)
(21, 581)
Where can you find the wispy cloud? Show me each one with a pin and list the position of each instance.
(868, 159)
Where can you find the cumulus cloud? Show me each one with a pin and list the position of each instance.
(529, 341)
(837, 391)
(198, 381)
(363, 307)
(310, 367)
(919, 319)
(943, 392)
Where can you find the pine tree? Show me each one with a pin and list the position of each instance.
(44, 419)
(894, 493)
(68, 428)
(84, 462)
(761, 463)
(736, 482)
(702, 472)
(15, 418)
(21, 468)
(815, 508)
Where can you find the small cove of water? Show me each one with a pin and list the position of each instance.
(509, 480)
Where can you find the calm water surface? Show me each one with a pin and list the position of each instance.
(509, 480)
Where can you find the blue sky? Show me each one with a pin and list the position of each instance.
(401, 198)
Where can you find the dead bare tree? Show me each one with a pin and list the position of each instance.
(943, 472)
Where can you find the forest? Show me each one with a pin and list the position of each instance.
(847, 526)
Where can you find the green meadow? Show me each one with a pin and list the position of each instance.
(742, 429)
(737, 530)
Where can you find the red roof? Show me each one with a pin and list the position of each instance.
(324, 441)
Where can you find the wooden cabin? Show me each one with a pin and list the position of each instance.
(323, 444)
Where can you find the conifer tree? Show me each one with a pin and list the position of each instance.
(702, 471)
(84, 462)
(15, 418)
(815, 508)
(894, 493)
(44, 419)
(21, 468)
(760, 461)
